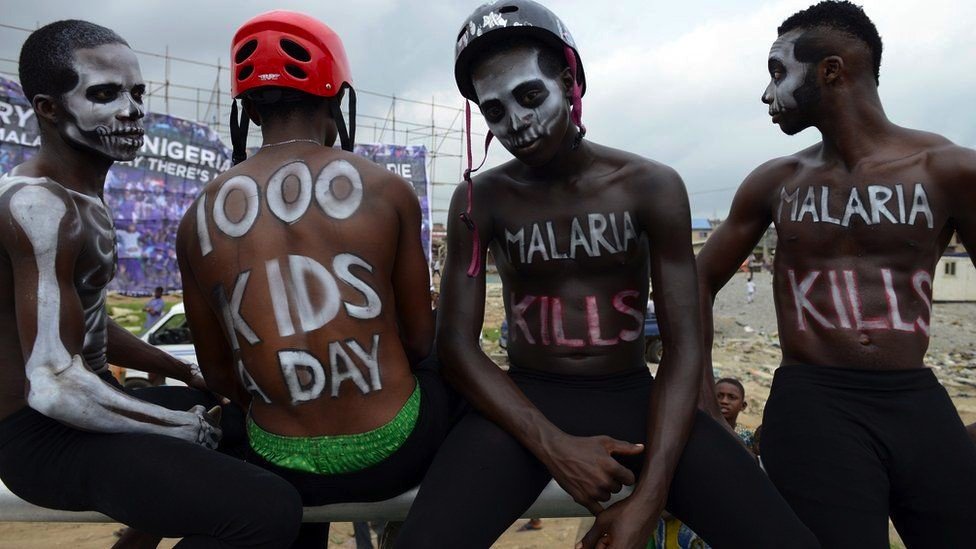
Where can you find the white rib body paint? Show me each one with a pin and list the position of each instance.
(61, 386)
(93, 273)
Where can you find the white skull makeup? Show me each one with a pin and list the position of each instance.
(522, 106)
(786, 72)
(105, 108)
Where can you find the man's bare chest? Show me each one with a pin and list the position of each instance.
(592, 234)
(882, 212)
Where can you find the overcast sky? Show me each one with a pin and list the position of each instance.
(675, 81)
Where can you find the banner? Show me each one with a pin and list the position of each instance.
(410, 163)
(148, 196)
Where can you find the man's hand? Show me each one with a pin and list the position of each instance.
(586, 469)
(627, 524)
(204, 428)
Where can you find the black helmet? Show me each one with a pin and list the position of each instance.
(500, 19)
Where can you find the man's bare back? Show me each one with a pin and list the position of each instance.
(301, 251)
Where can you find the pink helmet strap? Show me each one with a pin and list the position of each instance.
(577, 93)
(475, 267)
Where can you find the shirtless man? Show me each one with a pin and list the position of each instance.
(575, 229)
(69, 437)
(856, 428)
(307, 286)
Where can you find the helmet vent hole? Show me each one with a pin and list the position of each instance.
(245, 72)
(245, 51)
(508, 9)
(295, 51)
(296, 72)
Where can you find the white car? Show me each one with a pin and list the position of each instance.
(170, 333)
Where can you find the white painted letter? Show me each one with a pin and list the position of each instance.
(290, 212)
(330, 204)
(341, 265)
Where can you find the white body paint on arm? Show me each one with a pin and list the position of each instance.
(61, 386)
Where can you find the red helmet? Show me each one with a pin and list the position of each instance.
(289, 50)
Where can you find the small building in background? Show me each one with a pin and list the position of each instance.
(701, 229)
(955, 278)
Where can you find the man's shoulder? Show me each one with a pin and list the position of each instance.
(40, 206)
(632, 163)
(43, 190)
(950, 162)
(504, 172)
(779, 170)
(328, 162)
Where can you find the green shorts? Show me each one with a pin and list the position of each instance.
(335, 454)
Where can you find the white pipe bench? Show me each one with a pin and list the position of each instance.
(554, 502)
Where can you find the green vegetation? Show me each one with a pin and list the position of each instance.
(128, 311)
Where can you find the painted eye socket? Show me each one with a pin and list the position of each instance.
(534, 97)
(102, 95)
(493, 113)
(777, 74)
(137, 94)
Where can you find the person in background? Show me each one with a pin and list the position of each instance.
(154, 309)
(731, 396)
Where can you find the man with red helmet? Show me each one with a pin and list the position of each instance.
(576, 229)
(306, 284)
(70, 438)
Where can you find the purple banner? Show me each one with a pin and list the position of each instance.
(148, 196)
(410, 163)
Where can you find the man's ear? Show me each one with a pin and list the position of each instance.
(566, 78)
(832, 69)
(46, 107)
(252, 112)
(744, 404)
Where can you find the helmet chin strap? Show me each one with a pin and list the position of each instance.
(346, 139)
(576, 96)
(475, 266)
(238, 133)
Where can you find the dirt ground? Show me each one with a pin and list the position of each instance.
(746, 347)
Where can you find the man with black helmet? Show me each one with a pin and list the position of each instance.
(856, 428)
(306, 285)
(70, 438)
(576, 229)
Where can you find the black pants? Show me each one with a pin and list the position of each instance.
(847, 448)
(157, 484)
(482, 479)
(402, 471)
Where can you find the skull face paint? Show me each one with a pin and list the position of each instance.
(792, 87)
(526, 110)
(104, 110)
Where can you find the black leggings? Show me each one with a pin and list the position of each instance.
(482, 479)
(157, 484)
(849, 447)
(400, 472)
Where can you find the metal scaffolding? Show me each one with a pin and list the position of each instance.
(381, 117)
